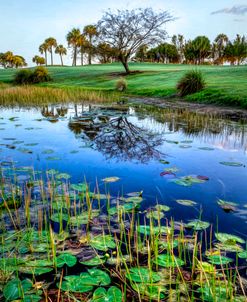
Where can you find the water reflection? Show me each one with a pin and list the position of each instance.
(114, 135)
(135, 133)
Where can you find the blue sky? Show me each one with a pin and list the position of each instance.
(24, 24)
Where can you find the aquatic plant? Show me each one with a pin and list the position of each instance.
(92, 246)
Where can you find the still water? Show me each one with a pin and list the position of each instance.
(148, 149)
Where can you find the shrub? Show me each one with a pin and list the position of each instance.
(23, 77)
(26, 76)
(40, 74)
(191, 82)
(121, 85)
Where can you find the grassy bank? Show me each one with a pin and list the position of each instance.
(34, 96)
(225, 84)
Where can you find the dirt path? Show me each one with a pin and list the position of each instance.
(210, 109)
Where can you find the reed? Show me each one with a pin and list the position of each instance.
(12, 96)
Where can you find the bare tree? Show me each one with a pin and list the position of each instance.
(127, 30)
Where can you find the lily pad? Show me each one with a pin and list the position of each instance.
(186, 202)
(231, 164)
(187, 181)
(103, 242)
(111, 179)
(167, 260)
(113, 294)
(16, 289)
(97, 260)
(66, 258)
(198, 225)
(228, 238)
(100, 277)
(219, 260)
(142, 275)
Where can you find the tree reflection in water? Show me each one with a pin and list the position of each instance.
(116, 137)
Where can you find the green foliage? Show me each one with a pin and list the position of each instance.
(191, 82)
(113, 294)
(26, 76)
(40, 75)
(23, 77)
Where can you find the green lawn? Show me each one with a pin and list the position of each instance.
(225, 84)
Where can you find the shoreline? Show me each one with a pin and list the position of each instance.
(233, 113)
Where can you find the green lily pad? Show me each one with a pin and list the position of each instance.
(48, 151)
(162, 207)
(77, 284)
(155, 215)
(146, 230)
(231, 164)
(243, 255)
(228, 238)
(128, 207)
(66, 258)
(16, 289)
(142, 275)
(113, 294)
(219, 260)
(167, 260)
(111, 179)
(81, 187)
(100, 277)
(198, 225)
(63, 176)
(186, 202)
(97, 260)
(155, 292)
(103, 242)
(59, 216)
(187, 181)
(134, 199)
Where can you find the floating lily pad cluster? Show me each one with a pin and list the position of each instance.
(106, 248)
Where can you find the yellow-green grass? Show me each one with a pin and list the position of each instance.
(225, 84)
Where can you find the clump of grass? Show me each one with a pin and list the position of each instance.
(33, 95)
(190, 83)
(121, 85)
(27, 76)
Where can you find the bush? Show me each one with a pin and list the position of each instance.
(40, 75)
(121, 85)
(23, 77)
(191, 82)
(26, 76)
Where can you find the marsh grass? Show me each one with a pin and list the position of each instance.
(11, 96)
(63, 218)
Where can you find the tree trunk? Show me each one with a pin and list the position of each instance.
(51, 58)
(75, 55)
(45, 58)
(89, 51)
(126, 66)
(61, 59)
(82, 57)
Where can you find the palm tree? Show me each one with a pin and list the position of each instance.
(51, 42)
(73, 38)
(38, 60)
(61, 50)
(90, 31)
(221, 41)
(83, 44)
(43, 48)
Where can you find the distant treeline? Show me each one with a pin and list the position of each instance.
(197, 51)
(134, 35)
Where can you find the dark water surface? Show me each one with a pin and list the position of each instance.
(136, 145)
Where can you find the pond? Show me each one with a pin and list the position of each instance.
(195, 165)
